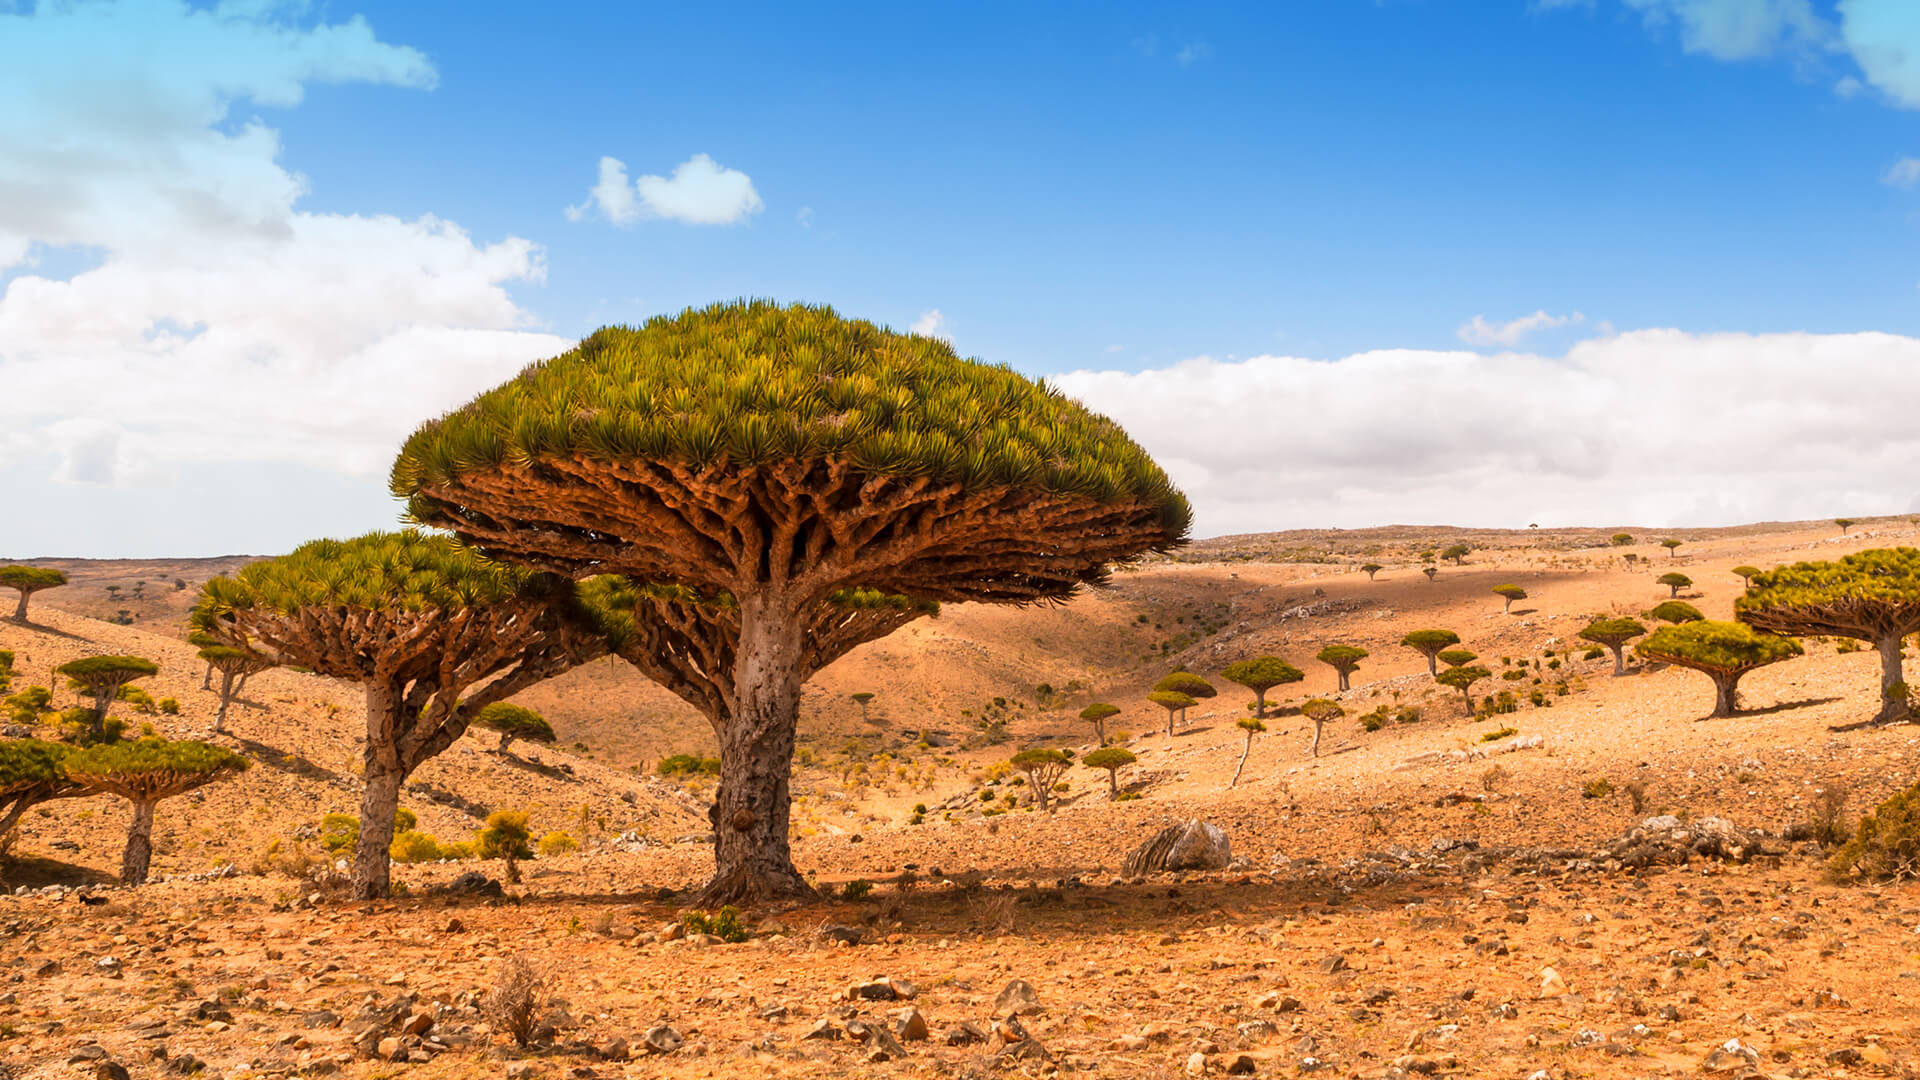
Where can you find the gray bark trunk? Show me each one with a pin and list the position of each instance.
(1260, 706)
(135, 861)
(20, 609)
(1433, 667)
(1726, 695)
(1244, 751)
(226, 699)
(753, 856)
(1170, 713)
(1317, 725)
(1113, 784)
(1343, 679)
(372, 861)
(1619, 659)
(206, 679)
(1892, 707)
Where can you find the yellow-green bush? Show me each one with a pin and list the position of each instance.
(558, 843)
(1886, 846)
(414, 846)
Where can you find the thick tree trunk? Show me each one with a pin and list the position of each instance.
(1509, 608)
(1170, 713)
(1113, 787)
(1260, 707)
(1726, 694)
(20, 609)
(1244, 751)
(226, 699)
(1315, 749)
(1433, 668)
(506, 740)
(21, 804)
(1343, 679)
(753, 857)
(135, 861)
(380, 800)
(1619, 660)
(1893, 704)
(206, 679)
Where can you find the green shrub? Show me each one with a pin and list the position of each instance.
(26, 706)
(413, 846)
(689, 765)
(340, 833)
(1594, 653)
(1886, 846)
(170, 706)
(725, 924)
(506, 836)
(856, 889)
(558, 843)
(1496, 736)
(1374, 720)
(1598, 788)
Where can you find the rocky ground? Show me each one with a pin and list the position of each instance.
(1415, 902)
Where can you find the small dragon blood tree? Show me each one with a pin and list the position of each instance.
(143, 772)
(786, 483)
(1871, 596)
(434, 632)
(1723, 651)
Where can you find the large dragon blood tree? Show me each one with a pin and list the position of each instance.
(1871, 596)
(434, 632)
(777, 485)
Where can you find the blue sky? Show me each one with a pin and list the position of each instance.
(1550, 247)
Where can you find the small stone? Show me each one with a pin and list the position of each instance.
(110, 1070)
(521, 1070)
(1018, 999)
(614, 1049)
(389, 1048)
(822, 1030)
(1551, 984)
(910, 1026)
(1197, 1064)
(966, 1033)
(1241, 1066)
(663, 1040)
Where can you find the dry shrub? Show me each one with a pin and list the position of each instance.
(1637, 792)
(513, 1004)
(1493, 777)
(992, 912)
(293, 858)
(1827, 817)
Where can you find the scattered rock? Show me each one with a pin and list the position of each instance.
(1018, 999)
(1195, 845)
(662, 1040)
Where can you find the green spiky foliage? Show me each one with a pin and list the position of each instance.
(1746, 574)
(1614, 634)
(1112, 759)
(1871, 596)
(1845, 524)
(1462, 679)
(507, 837)
(1457, 552)
(1428, 643)
(1675, 581)
(514, 722)
(102, 678)
(1622, 539)
(235, 666)
(1370, 569)
(1043, 766)
(1188, 684)
(1259, 674)
(434, 632)
(1175, 702)
(1098, 714)
(1457, 657)
(1431, 572)
(1723, 651)
(1343, 659)
(28, 580)
(1676, 611)
(862, 699)
(1509, 593)
(1886, 846)
(30, 775)
(145, 771)
(1672, 546)
(1321, 711)
(781, 456)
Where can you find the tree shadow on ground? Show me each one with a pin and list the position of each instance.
(1524, 611)
(36, 871)
(551, 772)
(1871, 722)
(44, 629)
(285, 761)
(1788, 706)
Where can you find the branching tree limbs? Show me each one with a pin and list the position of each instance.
(1614, 634)
(1462, 679)
(28, 580)
(235, 667)
(1098, 714)
(1871, 596)
(772, 460)
(1043, 766)
(1723, 651)
(434, 633)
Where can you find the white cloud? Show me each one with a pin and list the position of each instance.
(214, 320)
(804, 216)
(1192, 53)
(1904, 173)
(700, 192)
(930, 324)
(1738, 29)
(1654, 427)
(1884, 37)
(1479, 331)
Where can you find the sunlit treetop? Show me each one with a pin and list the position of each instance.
(1716, 646)
(750, 442)
(384, 571)
(1868, 594)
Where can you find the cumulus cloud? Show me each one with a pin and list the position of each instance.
(1738, 29)
(211, 320)
(700, 192)
(1884, 38)
(930, 324)
(1479, 331)
(1192, 53)
(1654, 427)
(1904, 173)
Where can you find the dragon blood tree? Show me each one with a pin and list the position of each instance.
(143, 772)
(30, 775)
(1723, 651)
(234, 666)
(1871, 596)
(1343, 659)
(514, 722)
(28, 580)
(1261, 674)
(799, 483)
(1614, 634)
(434, 632)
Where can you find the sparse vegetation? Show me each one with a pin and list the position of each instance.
(1509, 593)
(1675, 581)
(1429, 643)
(1043, 766)
(1886, 844)
(1462, 679)
(1343, 659)
(1675, 611)
(1098, 714)
(1260, 674)
(1723, 651)
(1614, 634)
(512, 1006)
(1370, 569)
(1112, 759)
(505, 837)
(514, 722)
(1322, 712)
(1871, 596)
(27, 580)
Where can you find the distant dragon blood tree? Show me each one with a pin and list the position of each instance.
(1614, 634)
(1724, 651)
(1676, 611)
(514, 722)
(28, 580)
(433, 632)
(1320, 711)
(1098, 714)
(102, 678)
(1746, 574)
(1372, 568)
(1261, 674)
(1343, 659)
(1871, 596)
(1183, 684)
(1428, 643)
(1509, 593)
(235, 667)
(1112, 759)
(1462, 679)
(143, 772)
(787, 483)
(1674, 581)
